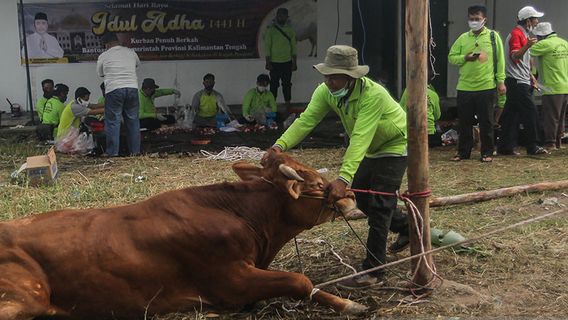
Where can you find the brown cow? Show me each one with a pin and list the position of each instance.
(175, 252)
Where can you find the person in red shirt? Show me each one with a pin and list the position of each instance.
(520, 106)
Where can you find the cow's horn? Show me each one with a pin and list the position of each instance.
(290, 173)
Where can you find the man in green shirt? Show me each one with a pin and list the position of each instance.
(280, 50)
(149, 119)
(434, 139)
(376, 157)
(259, 102)
(72, 116)
(47, 88)
(207, 103)
(552, 53)
(54, 106)
(474, 52)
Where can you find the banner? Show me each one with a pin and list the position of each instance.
(156, 30)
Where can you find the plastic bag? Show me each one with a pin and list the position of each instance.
(185, 117)
(75, 142)
(450, 137)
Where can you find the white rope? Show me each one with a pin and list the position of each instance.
(432, 45)
(332, 249)
(233, 154)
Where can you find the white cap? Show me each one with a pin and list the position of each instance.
(543, 29)
(529, 12)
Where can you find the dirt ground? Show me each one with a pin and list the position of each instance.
(518, 274)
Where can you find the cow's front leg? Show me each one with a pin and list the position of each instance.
(264, 284)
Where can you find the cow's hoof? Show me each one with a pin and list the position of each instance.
(353, 308)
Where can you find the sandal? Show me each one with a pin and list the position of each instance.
(486, 158)
(538, 150)
(456, 158)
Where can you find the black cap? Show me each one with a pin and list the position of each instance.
(109, 37)
(263, 78)
(40, 16)
(149, 83)
(81, 92)
(59, 88)
(282, 11)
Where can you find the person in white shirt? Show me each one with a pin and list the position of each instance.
(118, 67)
(42, 45)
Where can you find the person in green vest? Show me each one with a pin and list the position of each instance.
(259, 103)
(480, 56)
(376, 157)
(208, 103)
(47, 88)
(76, 110)
(434, 137)
(280, 50)
(149, 119)
(552, 53)
(54, 106)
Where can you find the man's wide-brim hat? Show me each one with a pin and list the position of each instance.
(542, 29)
(341, 59)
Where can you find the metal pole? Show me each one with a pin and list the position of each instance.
(417, 15)
(22, 16)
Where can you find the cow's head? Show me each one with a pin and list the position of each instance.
(301, 184)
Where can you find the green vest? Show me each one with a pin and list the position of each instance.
(52, 113)
(207, 105)
(67, 121)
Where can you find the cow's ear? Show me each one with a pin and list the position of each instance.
(247, 171)
(293, 188)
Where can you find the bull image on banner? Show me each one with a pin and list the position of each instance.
(160, 30)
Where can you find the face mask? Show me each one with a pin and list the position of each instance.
(340, 93)
(261, 88)
(476, 25)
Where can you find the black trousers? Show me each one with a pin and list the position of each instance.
(281, 71)
(380, 174)
(480, 104)
(154, 123)
(519, 108)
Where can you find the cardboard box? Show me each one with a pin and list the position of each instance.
(42, 170)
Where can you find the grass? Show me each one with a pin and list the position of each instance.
(520, 273)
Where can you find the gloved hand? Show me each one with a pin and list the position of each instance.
(336, 189)
(160, 117)
(177, 93)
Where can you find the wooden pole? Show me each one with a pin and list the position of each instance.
(480, 196)
(417, 13)
(498, 193)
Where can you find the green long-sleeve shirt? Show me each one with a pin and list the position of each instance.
(478, 75)
(433, 107)
(52, 113)
(258, 101)
(277, 46)
(374, 121)
(147, 108)
(40, 105)
(552, 53)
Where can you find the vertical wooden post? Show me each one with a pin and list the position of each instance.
(417, 13)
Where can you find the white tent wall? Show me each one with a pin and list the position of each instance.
(504, 15)
(233, 77)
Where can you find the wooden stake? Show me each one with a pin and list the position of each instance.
(417, 13)
(498, 193)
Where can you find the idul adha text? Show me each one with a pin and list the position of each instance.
(154, 20)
